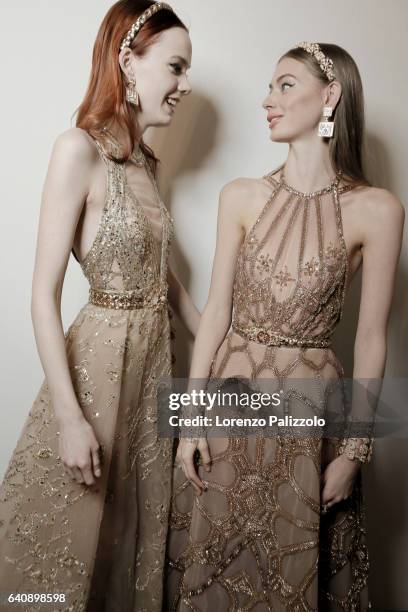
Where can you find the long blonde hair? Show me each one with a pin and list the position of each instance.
(346, 145)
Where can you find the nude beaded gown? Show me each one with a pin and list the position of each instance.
(256, 539)
(102, 546)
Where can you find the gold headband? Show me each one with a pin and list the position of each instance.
(325, 63)
(152, 10)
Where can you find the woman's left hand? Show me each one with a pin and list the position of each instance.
(338, 480)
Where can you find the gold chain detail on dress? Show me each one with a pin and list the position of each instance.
(307, 314)
(258, 334)
(313, 194)
(257, 269)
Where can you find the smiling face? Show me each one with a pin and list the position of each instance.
(160, 75)
(295, 102)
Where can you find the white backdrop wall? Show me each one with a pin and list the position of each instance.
(218, 133)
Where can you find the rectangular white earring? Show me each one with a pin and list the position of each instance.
(326, 127)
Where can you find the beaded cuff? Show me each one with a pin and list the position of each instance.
(357, 448)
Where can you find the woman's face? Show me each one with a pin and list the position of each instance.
(161, 76)
(295, 102)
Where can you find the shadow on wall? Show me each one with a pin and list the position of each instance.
(186, 144)
(183, 149)
(386, 500)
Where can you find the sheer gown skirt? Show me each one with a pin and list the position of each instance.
(256, 538)
(102, 546)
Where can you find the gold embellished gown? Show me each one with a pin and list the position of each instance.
(257, 538)
(102, 546)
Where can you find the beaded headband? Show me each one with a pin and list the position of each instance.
(156, 6)
(325, 63)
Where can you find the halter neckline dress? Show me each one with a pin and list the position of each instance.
(257, 538)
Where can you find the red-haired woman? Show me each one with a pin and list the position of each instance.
(278, 523)
(84, 501)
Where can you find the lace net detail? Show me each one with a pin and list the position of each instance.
(127, 253)
(291, 270)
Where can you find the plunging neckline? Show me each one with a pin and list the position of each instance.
(158, 249)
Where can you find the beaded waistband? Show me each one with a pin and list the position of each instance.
(127, 300)
(258, 334)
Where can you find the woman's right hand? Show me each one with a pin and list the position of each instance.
(79, 450)
(185, 457)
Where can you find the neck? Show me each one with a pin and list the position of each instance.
(121, 137)
(309, 168)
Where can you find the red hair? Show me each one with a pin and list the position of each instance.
(104, 102)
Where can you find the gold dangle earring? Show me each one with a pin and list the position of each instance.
(131, 92)
(326, 127)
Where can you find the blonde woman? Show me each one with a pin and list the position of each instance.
(277, 523)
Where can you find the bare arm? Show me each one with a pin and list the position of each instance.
(182, 303)
(382, 239)
(64, 194)
(381, 250)
(216, 317)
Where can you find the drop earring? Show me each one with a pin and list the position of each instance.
(326, 127)
(131, 92)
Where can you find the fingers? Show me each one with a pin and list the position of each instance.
(327, 503)
(73, 472)
(333, 493)
(92, 467)
(82, 473)
(189, 471)
(328, 500)
(88, 475)
(96, 464)
(205, 457)
(185, 460)
(69, 472)
(77, 474)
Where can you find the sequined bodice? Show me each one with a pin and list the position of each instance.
(292, 267)
(126, 255)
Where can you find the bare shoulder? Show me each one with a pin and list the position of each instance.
(76, 144)
(239, 188)
(74, 159)
(237, 194)
(379, 210)
(378, 201)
